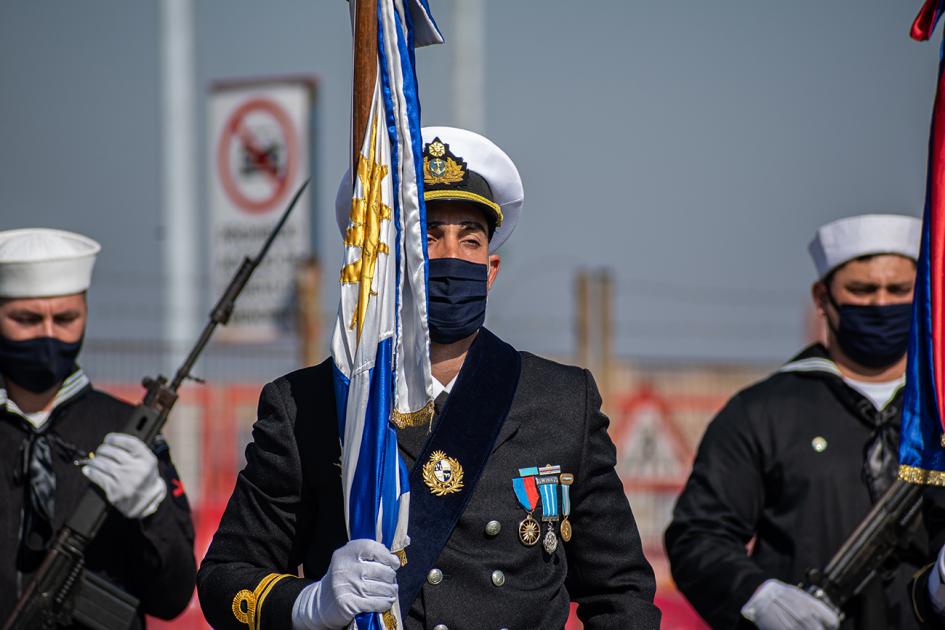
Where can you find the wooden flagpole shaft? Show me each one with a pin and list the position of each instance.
(365, 73)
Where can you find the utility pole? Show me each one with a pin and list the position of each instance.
(582, 318)
(469, 65)
(308, 298)
(178, 170)
(605, 308)
(594, 328)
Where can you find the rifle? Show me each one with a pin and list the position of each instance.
(61, 591)
(869, 548)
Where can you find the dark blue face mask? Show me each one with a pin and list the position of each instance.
(456, 292)
(874, 336)
(37, 364)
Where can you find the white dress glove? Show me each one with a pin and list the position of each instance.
(937, 584)
(779, 606)
(127, 470)
(362, 577)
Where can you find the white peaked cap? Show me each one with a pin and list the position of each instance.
(481, 156)
(843, 240)
(39, 262)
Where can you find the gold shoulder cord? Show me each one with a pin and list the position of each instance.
(251, 614)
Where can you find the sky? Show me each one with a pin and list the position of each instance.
(693, 148)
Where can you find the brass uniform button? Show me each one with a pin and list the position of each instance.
(434, 577)
(498, 578)
(440, 626)
(493, 528)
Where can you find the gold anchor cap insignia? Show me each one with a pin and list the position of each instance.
(440, 166)
(443, 474)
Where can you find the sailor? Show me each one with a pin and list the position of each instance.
(792, 464)
(515, 508)
(58, 434)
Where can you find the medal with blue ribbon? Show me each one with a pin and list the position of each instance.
(548, 487)
(526, 492)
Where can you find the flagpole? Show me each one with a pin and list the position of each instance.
(365, 73)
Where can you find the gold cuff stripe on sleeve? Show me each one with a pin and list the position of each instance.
(468, 196)
(254, 600)
(911, 474)
(414, 418)
(262, 598)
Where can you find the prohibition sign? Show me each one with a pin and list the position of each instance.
(257, 155)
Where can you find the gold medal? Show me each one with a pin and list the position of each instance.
(566, 480)
(529, 531)
(566, 530)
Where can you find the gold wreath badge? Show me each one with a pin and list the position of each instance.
(442, 171)
(443, 474)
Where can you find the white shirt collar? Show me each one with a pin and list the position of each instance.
(880, 394)
(439, 388)
(75, 383)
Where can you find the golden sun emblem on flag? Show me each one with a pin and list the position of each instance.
(365, 230)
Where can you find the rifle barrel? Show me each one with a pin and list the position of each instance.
(224, 307)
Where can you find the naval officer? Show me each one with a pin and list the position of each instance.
(796, 461)
(52, 418)
(532, 515)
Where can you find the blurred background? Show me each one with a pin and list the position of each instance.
(677, 159)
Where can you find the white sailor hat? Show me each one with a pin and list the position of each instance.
(39, 262)
(843, 240)
(460, 165)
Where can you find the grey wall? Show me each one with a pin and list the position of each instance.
(694, 147)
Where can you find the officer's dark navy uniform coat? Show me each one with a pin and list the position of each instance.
(783, 464)
(151, 558)
(286, 509)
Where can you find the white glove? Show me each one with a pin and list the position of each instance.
(779, 606)
(937, 583)
(126, 469)
(362, 577)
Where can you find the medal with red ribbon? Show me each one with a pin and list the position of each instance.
(526, 491)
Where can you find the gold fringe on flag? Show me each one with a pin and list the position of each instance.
(911, 474)
(417, 418)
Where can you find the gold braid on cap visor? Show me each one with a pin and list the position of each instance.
(431, 195)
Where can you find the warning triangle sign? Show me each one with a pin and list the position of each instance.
(650, 447)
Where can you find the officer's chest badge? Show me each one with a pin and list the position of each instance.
(443, 474)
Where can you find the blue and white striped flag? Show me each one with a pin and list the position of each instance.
(381, 347)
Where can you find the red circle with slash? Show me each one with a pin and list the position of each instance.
(257, 155)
